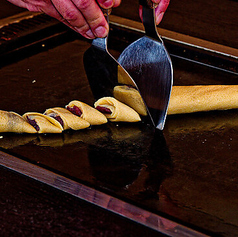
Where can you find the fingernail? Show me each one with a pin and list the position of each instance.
(101, 32)
(105, 4)
(108, 4)
(90, 34)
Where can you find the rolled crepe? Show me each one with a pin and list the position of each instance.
(13, 122)
(67, 119)
(86, 112)
(189, 99)
(131, 97)
(123, 77)
(116, 111)
(43, 123)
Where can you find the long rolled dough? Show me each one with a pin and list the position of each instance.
(189, 99)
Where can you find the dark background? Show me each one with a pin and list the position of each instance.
(214, 20)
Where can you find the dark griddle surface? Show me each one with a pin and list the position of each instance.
(188, 173)
(30, 208)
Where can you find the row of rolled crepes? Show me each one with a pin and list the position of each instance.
(126, 106)
(76, 115)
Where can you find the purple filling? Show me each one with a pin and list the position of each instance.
(104, 110)
(58, 118)
(74, 110)
(33, 123)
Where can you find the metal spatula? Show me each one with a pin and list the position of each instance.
(103, 71)
(148, 63)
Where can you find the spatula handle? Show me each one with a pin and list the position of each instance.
(148, 18)
(148, 3)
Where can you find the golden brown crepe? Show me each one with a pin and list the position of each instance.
(67, 119)
(13, 122)
(189, 99)
(116, 111)
(131, 97)
(123, 77)
(43, 123)
(86, 112)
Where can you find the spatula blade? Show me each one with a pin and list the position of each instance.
(148, 63)
(106, 75)
(101, 70)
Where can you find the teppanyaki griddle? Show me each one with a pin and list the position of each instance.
(187, 174)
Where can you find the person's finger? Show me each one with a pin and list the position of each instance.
(106, 4)
(18, 3)
(160, 10)
(163, 5)
(93, 16)
(77, 23)
(72, 16)
(156, 1)
(117, 3)
(52, 11)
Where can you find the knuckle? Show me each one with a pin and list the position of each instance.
(82, 29)
(70, 16)
(95, 21)
(84, 4)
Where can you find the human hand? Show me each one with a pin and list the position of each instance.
(83, 16)
(159, 10)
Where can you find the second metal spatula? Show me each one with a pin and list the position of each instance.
(105, 74)
(148, 63)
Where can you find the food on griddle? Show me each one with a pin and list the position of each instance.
(86, 112)
(43, 123)
(189, 99)
(116, 111)
(131, 97)
(123, 77)
(13, 122)
(67, 119)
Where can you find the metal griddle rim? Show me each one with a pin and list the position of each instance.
(98, 198)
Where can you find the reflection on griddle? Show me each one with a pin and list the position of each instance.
(137, 164)
(11, 140)
(51, 140)
(128, 158)
(201, 122)
(88, 136)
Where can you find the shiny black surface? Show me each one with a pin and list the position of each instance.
(187, 173)
(101, 71)
(31, 208)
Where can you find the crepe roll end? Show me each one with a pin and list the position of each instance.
(13, 122)
(43, 123)
(116, 111)
(68, 119)
(86, 112)
(131, 97)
